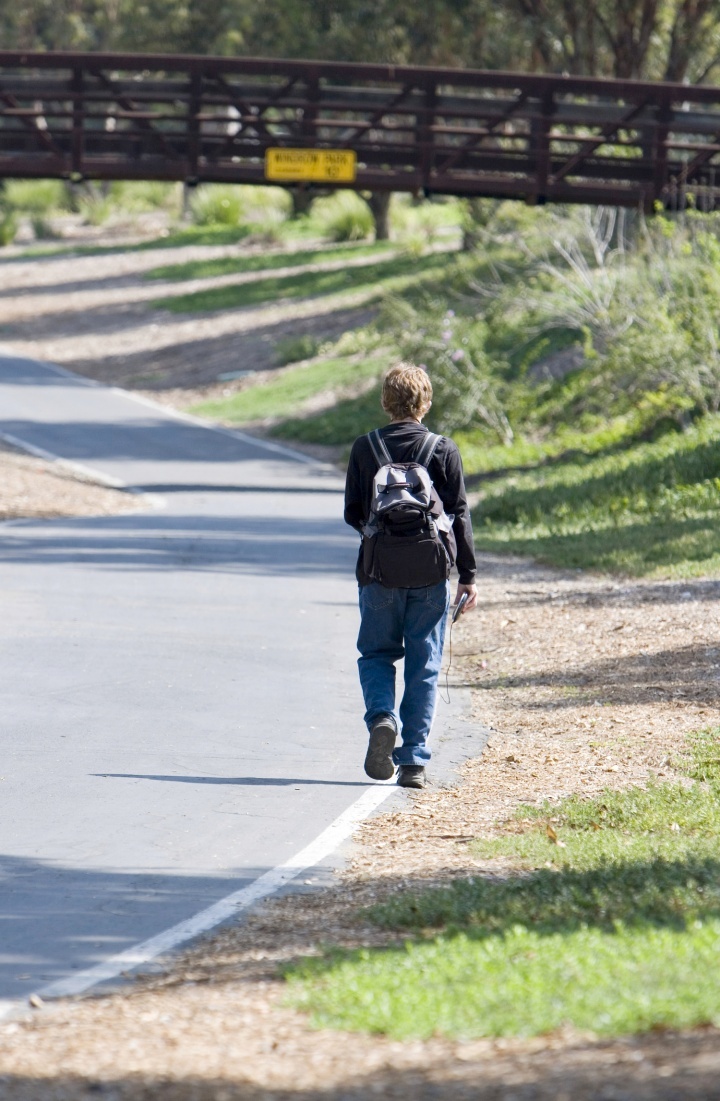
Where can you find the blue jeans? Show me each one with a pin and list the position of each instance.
(409, 623)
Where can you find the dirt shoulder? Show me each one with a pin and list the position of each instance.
(33, 489)
(587, 683)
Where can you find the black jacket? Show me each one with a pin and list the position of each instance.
(445, 469)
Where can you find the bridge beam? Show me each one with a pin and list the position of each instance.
(540, 138)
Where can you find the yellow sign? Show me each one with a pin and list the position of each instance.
(316, 165)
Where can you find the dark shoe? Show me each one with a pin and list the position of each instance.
(378, 761)
(411, 776)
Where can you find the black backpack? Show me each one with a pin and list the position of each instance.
(408, 541)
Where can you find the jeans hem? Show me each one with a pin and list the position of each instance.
(414, 761)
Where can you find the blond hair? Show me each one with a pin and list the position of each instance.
(406, 391)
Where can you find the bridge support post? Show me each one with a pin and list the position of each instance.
(379, 203)
(78, 120)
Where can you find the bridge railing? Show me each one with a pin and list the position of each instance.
(462, 132)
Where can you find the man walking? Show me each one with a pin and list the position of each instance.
(405, 619)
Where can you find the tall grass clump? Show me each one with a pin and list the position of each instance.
(216, 205)
(235, 204)
(8, 226)
(637, 306)
(144, 196)
(97, 209)
(40, 197)
(420, 225)
(650, 307)
(343, 216)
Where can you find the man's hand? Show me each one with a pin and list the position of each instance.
(471, 590)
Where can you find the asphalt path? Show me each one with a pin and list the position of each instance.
(178, 692)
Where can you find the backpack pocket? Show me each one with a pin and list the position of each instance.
(406, 563)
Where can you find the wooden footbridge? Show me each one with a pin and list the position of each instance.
(377, 127)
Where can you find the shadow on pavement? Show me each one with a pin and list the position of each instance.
(57, 918)
(200, 487)
(259, 544)
(153, 439)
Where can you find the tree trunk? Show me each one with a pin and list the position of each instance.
(379, 203)
(687, 34)
(188, 190)
(302, 200)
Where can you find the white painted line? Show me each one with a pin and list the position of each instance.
(228, 907)
(8, 353)
(78, 468)
(189, 418)
(152, 499)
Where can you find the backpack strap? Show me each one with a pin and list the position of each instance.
(378, 448)
(427, 449)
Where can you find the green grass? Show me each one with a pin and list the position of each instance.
(614, 928)
(524, 984)
(197, 235)
(339, 425)
(482, 455)
(36, 196)
(350, 417)
(387, 275)
(192, 235)
(648, 509)
(287, 392)
(230, 265)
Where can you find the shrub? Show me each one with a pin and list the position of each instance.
(418, 225)
(343, 217)
(36, 196)
(232, 204)
(266, 205)
(293, 348)
(138, 196)
(467, 390)
(217, 205)
(96, 209)
(43, 229)
(8, 227)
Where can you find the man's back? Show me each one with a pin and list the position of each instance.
(403, 440)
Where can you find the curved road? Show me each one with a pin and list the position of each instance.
(177, 690)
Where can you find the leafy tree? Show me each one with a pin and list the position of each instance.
(464, 33)
(145, 26)
(627, 39)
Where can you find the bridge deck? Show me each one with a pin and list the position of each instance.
(461, 132)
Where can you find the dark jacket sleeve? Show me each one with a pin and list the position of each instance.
(454, 499)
